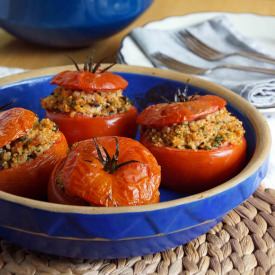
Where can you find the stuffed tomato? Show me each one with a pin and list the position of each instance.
(29, 150)
(197, 142)
(108, 171)
(90, 103)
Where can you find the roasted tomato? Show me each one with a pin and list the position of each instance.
(56, 191)
(197, 143)
(90, 81)
(191, 171)
(81, 127)
(89, 103)
(14, 123)
(108, 171)
(26, 164)
(161, 115)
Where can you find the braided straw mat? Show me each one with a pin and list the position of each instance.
(244, 243)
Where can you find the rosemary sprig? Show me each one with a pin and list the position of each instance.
(90, 66)
(97, 65)
(110, 163)
(108, 67)
(74, 62)
(180, 96)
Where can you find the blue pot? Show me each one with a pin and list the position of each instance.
(68, 23)
(115, 232)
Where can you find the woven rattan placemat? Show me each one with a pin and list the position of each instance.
(244, 243)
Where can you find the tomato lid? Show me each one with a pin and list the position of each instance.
(14, 123)
(89, 82)
(166, 114)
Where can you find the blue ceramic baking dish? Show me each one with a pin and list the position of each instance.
(68, 23)
(115, 232)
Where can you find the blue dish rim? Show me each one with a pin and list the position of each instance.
(260, 155)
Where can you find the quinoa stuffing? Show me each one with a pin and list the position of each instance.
(99, 103)
(216, 129)
(36, 141)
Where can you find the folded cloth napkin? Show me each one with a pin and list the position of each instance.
(5, 71)
(220, 34)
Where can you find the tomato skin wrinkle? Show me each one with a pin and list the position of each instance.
(90, 82)
(14, 123)
(56, 192)
(133, 184)
(166, 114)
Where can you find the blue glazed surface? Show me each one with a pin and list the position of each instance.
(68, 23)
(105, 249)
(122, 234)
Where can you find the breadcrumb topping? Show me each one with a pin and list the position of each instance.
(37, 140)
(100, 103)
(216, 129)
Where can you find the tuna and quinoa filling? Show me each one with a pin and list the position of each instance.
(36, 141)
(215, 130)
(100, 103)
